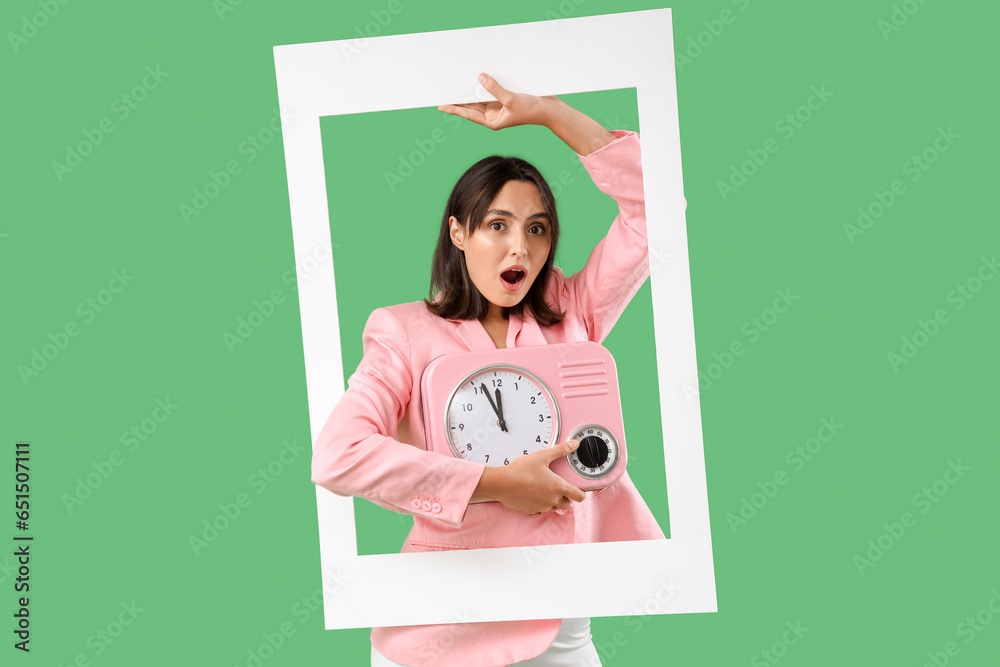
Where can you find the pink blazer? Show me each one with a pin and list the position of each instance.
(373, 446)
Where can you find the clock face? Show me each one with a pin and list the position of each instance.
(500, 413)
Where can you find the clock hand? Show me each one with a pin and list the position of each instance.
(503, 423)
(493, 405)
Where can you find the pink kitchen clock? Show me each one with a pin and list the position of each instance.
(494, 406)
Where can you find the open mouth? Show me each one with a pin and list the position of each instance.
(512, 278)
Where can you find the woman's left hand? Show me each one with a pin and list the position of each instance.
(508, 110)
(580, 132)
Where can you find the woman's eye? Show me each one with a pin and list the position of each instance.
(538, 229)
(496, 226)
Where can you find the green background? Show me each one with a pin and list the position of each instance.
(239, 406)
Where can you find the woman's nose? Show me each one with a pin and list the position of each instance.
(518, 243)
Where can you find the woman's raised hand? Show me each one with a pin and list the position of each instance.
(528, 485)
(508, 110)
(579, 131)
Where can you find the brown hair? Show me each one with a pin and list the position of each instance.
(469, 202)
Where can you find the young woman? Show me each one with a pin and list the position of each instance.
(494, 286)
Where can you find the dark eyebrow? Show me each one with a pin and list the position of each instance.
(508, 214)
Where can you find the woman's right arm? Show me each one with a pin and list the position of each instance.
(357, 454)
(528, 485)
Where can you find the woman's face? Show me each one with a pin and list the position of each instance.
(508, 250)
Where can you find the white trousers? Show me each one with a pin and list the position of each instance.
(572, 647)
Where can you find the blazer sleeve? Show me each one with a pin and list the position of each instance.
(357, 454)
(619, 264)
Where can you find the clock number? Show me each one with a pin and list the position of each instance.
(541, 418)
(467, 407)
(590, 431)
(525, 452)
(538, 438)
(487, 458)
(515, 386)
(461, 427)
(498, 383)
(506, 462)
(468, 447)
(532, 400)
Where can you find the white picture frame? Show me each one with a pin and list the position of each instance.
(633, 49)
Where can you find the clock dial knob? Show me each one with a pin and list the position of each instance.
(499, 413)
(593, 451)
(598, 452)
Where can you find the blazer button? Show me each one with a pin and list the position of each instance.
(436, 508)
(426, 506)
(415, 503)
